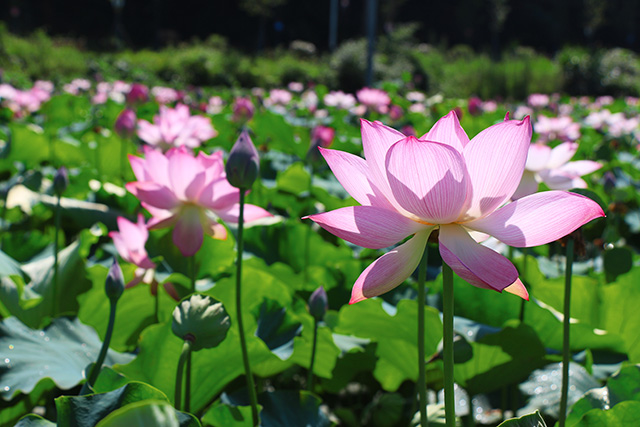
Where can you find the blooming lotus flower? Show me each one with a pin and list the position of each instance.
(190, 193)
(165, 95)
(552, 166)
(243, 109)
(410, 187)
(175, 127)
(340, 100)
(130, 241)
(562, 128)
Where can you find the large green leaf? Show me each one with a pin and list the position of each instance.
(32, 420)
(395, 335)
(21, 404)
(148, 413)
(623, 386)
(499, 359)
(619, 311)
(9, 266)
(277, 327)
(33, 302)
(60, 352)
(623, 414)
(291, 408)
(226, 415)
(529, 420)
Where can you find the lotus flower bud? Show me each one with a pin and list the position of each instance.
(125, 125)
(243, 164)
(321, 136)
(60, 181)
(318, 303)
(475, 106)
(201, 320)
(243, 109)
(138, 94)
(114, 285)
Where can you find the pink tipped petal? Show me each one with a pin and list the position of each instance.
(149, 133)
(448, 131)
(376, 141)
(188, 233)
(427, 179)
(518, 289)
(528, 185)
(391, 269)
(562, 154)
(215, 230)
(477, 264)
(538, 157)
(353, 173)
(368, 226)
(219, 194)
(253, 212)
(153, 194)
(157, 166)
(539, 218)
(495, 161)
(138, 167)
(186, 176)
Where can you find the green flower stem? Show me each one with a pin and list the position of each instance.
(447, 338)
(3, 217)
(307, 238)
(95, 369)
(184, 356)
(565, 336)
(56, 291)
(313, 355)
(422, 376)
(187, 394)
(243, 343)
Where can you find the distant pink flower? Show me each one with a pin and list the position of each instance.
(278, 97)
(23, 102)
(130, 241)
(538, 100)
(560, 128)
(475, 106)
(243, 109)
(138, 94)
(340, 100)
(125, 125)
(165, 95)
(175, 127)
(215, 105)
(395, 112)
(190, 193)
(323, 135)
(374, 99)
(295, 87)
(409, 187)
(553, 167)
(77, 86)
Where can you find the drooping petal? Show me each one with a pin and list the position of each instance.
(495, 161)
(149, 133)
(367, 226)
(475, 263)
(188, 233)
(528, 185)
(161, 218)
(427, 179)
(391, 269)
(448, 131)
(579, 167)
(353, 173)
(231, 214)
(153, 194)
(539, 218)
(561, 154)
(538, 157)
(214, 229)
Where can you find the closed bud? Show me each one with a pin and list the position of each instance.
(60, 181)
(138, 94)
(114, 285)
(125, 125)
(318, 303)
(243, 164)
(243, 109)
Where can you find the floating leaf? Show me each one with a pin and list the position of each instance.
(149, 413)
(277, 327)
(529, 420)
(291, 408)
(60, 352)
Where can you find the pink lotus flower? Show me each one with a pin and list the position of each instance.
(175, 127)
(189, 192)
(243, 109)
(340, 100)
(138, 94)
(562, 128)
(374, 99)
(129, 241)
(410, 187)
(552, 166)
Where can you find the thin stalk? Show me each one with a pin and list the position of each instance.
(157, 306)
(525, 256)
(313, 355)
(187, 394)
(3, 217)
(447, 338)
(307, 238)
(95, 369)
(565, 335)
(56, 291)
(186, 351)
(422, 376)
(243, 343)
